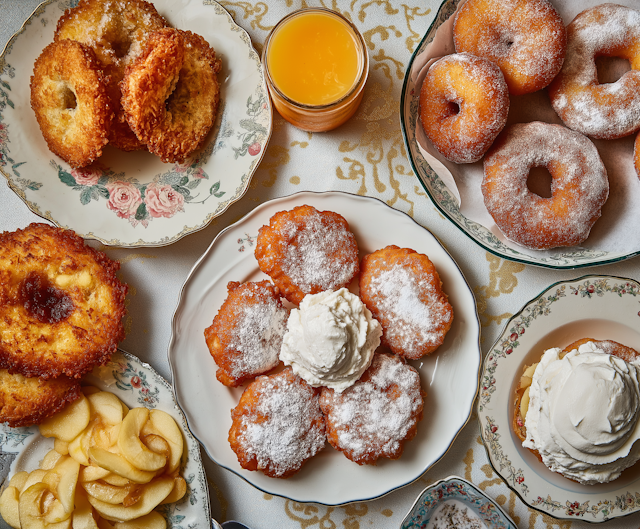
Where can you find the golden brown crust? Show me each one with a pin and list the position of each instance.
(61, 304)
(608, 346)
(383, 410)
(170, 93)
(26, 401)
(403, 291)
(116, 31)
(277, 425)
(70, 100)
(246, 334)
(306, 251)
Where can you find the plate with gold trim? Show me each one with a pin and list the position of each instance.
(598, 307)
(133, 199)
(136, 384)
(449, 376)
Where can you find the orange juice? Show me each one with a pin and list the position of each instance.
(316, 66)
(313, 58)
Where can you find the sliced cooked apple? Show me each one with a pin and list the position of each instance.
(68, 423)
(105, 492)
(119, 465)
(153, 520)
(92, 473)
(67, 468)
(132, 448)
(114, 479)
(179, 490)
(60, 446)
(162, 424)
(18, 480)
(30, 506)
(9, 506)
(50, 459)
(83, 513)
(78, 448)
(153, 494)
(35, 476)
(107, 406)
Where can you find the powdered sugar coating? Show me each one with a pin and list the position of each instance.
(403, 291)
(464, 102)
(306, 251)
(378, 414)
(604, 111)
(277, 425)
(525, 38)
(246, 334)
(579, 186)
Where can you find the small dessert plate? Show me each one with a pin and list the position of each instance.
(598, 307)
(460, 494)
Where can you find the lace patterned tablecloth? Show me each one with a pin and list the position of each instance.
(366, 157)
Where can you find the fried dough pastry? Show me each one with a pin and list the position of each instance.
(246, 334)
(26, 401)
(306, 251)
(170, 93)
(277, 425)
(378, 414)
(116, 30)
(70, 100)
(520, 410)
(403, 291)
(61, 304)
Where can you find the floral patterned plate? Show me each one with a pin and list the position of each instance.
(457, 489)
(447, 202)
(136, 384)
(449, 376)
(598, 307)
(131, 198)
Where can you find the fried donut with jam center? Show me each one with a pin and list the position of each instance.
(608, 110)
(170, 94)
(61, 304)
(70, 100)
(579, 185)
(116, 30)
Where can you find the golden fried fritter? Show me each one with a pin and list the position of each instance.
(403, 291)
(116, 30)
(277, 425)
(306, 251)
(170, 93)
(378, 414)
(61, 304)
(70, 100)
(26, 401)
(246, 334)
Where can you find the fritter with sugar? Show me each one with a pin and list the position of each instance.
(61, 304)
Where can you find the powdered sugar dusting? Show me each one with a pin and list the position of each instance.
(286, 426)
(610, 110)
(372, 418)
(579, 187)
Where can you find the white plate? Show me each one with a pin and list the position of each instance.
(446, 202)
(136, 384)
(598, 307)
(449, 376)
(202, 188)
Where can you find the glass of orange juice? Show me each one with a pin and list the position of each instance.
(316, 65)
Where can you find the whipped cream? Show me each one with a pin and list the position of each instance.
(583, 414)
(330, 339)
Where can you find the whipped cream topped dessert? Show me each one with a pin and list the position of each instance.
(583, 413)
(330, 339)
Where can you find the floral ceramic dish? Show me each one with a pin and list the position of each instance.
(446, 201)
(132, 198)
(460, 490)
(136, 384)
(598, 307)
(329, 477)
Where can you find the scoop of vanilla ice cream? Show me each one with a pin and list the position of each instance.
(330, 339)
(583, 414)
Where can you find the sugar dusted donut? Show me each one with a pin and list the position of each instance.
(579, 185)
(464, 102)
(603, 111)
(525, 38)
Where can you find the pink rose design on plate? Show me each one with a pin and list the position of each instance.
(254, 149)
(124, 199)
(86, 176)
(163, 201)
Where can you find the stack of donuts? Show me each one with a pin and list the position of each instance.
(117, 74)
(513, 47)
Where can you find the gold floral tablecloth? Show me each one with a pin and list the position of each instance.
(365, 157)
